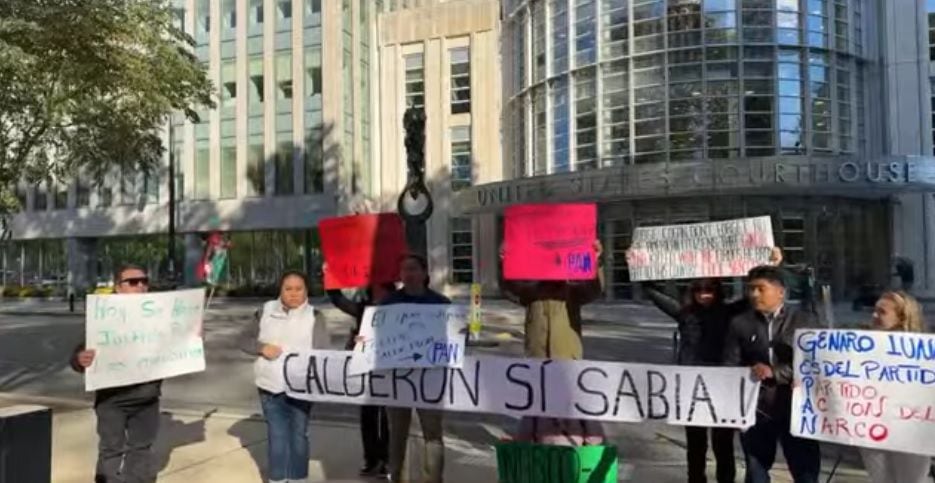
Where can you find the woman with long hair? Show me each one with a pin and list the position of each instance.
(897, 311)
(287, 323)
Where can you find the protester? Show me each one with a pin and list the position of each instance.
(553, 311)
(762, 339)
(553, 331)
(286, 324)
(415, 278)
(897, 310)
(702, 328)
(127, 416)
(374, 428)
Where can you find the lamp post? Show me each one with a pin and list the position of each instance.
(415, 203)
(170, 255)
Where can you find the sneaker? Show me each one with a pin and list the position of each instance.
(375, 469)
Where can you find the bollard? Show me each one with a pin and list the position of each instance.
(25, 444)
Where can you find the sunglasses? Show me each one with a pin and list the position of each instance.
(136, 281)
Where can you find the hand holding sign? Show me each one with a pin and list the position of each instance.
(349, 244)
(410, 335)
(550, 242)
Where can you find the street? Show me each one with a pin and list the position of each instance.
(34, 352)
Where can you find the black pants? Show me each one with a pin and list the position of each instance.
(374, 434)
(722, 442)
(127, 430)
(803, 456)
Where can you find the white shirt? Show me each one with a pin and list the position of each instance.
(291, 330)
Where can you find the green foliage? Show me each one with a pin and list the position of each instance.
(88, 85)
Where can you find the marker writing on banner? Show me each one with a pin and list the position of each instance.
(911, 347)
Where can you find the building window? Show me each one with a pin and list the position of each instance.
(314, 164)
(228, 84)
(203, 27)
(540, 146)
(519, 54)
(415, 81)
(793, 238)
(538, 41)
(461, 157)
(312, 7)
(284, 76)
(256, 14)
(228, 169)
(229, 14)
(462, 251)
(616, 112)
(930, 8)
(60, 200)
(559, 36)
(202, 170)
(128, 187)
(256, 168)
(283, 165)
(585, 120)
(313, 72)
(585, 32)
(284, 7)
(20, 193)
(105, 196)
(560, 124)
(40, 200)
(151, 187)
(256, 84)
(460, 80)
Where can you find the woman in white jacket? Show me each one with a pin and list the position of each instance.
(286, 324)
(897, 310)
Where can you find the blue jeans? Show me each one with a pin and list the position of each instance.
(287, 424)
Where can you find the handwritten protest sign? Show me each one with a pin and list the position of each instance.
(410, 335)
(349, 243)
(863, 388)
(143, 337)
(550, 242)
(701, 250)
(602, 391)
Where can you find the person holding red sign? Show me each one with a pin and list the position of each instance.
(897, 310)
(374, 428)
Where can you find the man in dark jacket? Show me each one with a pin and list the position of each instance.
(127, 416)
(762, 339)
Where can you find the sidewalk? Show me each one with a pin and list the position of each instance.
(227, 448)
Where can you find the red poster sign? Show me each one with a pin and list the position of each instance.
(362, 249)
(550, 242)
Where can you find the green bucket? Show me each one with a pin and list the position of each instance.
(523, 462)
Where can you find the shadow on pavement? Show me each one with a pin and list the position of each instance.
(245, 431)
(174, 434)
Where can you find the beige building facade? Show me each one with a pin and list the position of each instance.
(444, 56)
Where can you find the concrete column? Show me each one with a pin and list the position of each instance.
(81, 256)
(25, 444)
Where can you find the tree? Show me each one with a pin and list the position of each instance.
(86, 86)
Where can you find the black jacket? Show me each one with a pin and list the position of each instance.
(702, 330)
(349, 307)
(749, 342)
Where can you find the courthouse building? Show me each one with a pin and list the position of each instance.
(815, 112)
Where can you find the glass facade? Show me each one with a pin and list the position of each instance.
(652, 81)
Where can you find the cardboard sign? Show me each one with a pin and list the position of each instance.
(701, 250)
(865, 388)
(550, 242)
(601, 391)
(410, 335)
(361, 250)
(143, 337)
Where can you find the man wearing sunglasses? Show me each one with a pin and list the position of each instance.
(127, 416)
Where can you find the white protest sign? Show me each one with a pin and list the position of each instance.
(703, 250)
(601, 391)
(410, 335)
(143, 337)
(865, 388)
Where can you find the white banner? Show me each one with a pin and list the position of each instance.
(410, 335)
(863, 388)
(601, 391)
(702, 250)
(143, 337)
